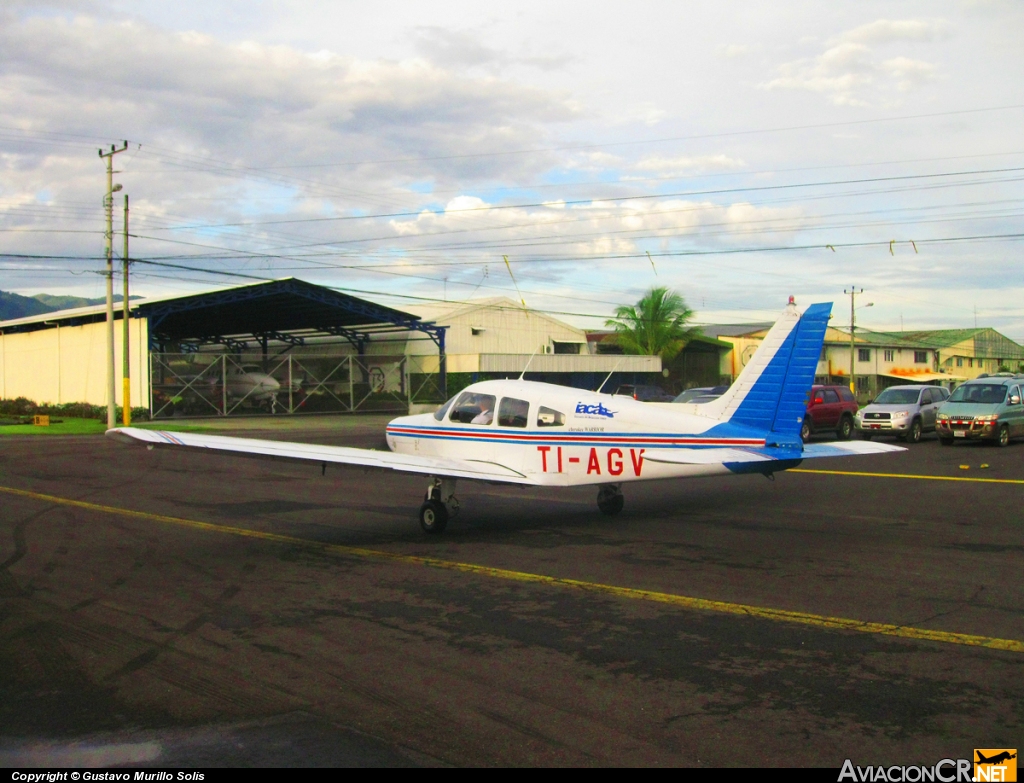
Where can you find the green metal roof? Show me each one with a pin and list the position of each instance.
(703, 338)
(937, 338)
(988, 343)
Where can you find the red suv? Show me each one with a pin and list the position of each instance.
(829, 408)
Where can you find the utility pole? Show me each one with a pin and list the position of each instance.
(126, 408)
(852, 293)
(108, 203)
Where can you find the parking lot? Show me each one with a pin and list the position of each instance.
(169, 608)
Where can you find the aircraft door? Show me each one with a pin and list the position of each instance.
(513, 415)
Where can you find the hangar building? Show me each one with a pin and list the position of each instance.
(285, 345)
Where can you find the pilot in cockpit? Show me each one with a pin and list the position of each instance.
(486, 414)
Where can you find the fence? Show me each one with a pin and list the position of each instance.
(209, 384)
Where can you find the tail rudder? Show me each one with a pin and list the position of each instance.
(771, 392)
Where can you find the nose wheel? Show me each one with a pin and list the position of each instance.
(610, 499)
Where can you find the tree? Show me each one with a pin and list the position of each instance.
(654, 326)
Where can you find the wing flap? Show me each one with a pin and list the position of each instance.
(337, 455)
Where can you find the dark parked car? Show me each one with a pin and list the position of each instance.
(829, 408)
(644, 393)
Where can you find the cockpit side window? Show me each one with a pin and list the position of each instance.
(439, 414)
(513, 413)
(546, 417)
(473, 408)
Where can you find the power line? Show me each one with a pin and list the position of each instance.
(691, 137)
(645, 197)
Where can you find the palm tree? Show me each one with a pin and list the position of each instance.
(654, 326)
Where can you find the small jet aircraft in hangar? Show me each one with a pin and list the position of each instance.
(524, 432)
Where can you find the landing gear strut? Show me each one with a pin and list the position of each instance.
(610, 499)
(439, 505)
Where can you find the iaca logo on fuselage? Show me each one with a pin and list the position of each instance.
(594, 410)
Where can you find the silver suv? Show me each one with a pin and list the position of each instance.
(903, 411)
(990, 407)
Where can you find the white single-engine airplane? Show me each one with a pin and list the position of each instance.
(523, 432)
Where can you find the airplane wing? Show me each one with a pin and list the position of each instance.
(335, 455)
(810, 451)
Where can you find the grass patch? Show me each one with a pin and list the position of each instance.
(166, 426)
(68, 426)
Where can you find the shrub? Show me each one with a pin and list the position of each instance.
(74, 410)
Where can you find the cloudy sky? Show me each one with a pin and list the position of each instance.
(752, 150)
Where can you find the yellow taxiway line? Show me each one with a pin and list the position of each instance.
(681, 601)
(905, 476)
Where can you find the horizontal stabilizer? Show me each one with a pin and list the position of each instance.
(335, 455)
(733, 456)
(848, 449)
(703, 456)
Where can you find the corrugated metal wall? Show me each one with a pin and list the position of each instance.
(68, 364)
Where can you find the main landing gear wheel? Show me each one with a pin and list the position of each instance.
(433, 517)
(610, 500)
(439, 506)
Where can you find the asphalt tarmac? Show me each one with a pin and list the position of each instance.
(192, 609)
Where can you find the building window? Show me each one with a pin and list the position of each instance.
(863, 354)
(476, 331)
(920, 357)
(970, 362)
(567, 347)
(890, 355)
(959, 361)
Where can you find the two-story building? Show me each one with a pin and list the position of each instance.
(970, 352)
(880, 359)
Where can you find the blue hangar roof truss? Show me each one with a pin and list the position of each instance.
(286, 311)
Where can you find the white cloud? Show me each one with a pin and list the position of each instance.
(888, 30)
(465, 49)
(600, 227)
(733, 51)
(685, 164)
(851, 72)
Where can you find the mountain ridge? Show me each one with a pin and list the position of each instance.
(17, 306)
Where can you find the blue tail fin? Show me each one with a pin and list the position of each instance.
(803, 362)
(771, 392)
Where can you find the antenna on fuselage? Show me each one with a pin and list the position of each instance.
(527, 367)
(608, 377)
